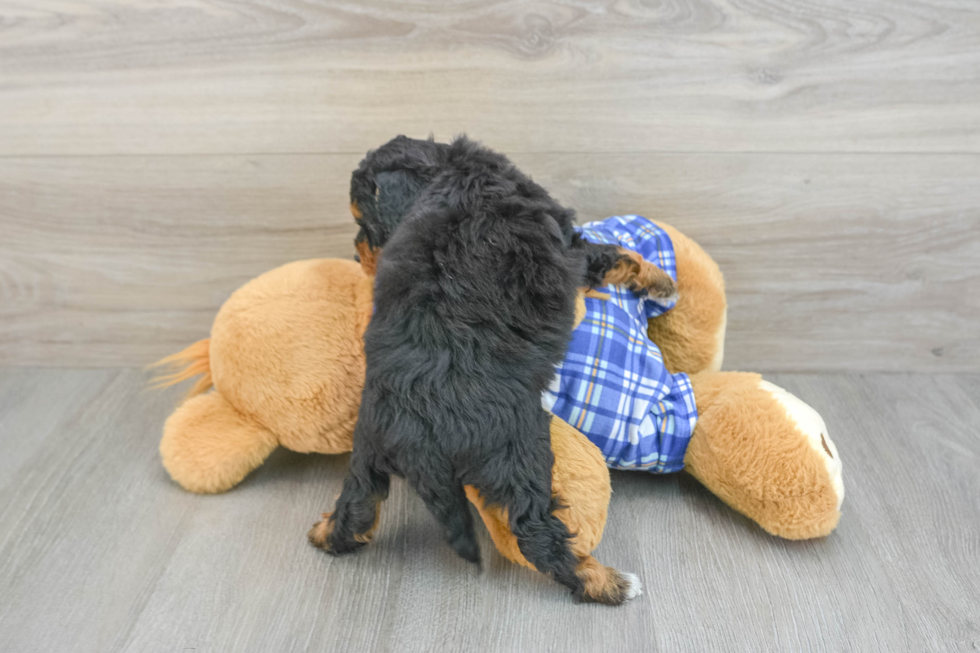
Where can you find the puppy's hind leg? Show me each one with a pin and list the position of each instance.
(604, 584)
(525, 492)
(518, 478)
(355, 517)
(541, 537)
(601, 584)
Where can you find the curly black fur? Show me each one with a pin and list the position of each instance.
(389, 180)
(474, 299)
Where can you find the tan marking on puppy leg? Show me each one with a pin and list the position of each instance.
(320, 533)
(636, 273)
(595, 294)
(579, 307)
(369, 257)
(498, 524)
(355, 211)
(604, 584)
(368, 535)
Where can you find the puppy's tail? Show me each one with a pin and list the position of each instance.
(446, 500)
(186, 364)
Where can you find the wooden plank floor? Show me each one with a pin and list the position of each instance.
(99, 551)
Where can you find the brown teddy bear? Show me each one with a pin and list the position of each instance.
(285, 367)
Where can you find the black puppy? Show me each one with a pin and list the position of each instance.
(474, 301)
(389, 180)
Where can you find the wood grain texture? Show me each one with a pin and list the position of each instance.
(99, 551)
(155, 155)
(832, 261)
(212, 76)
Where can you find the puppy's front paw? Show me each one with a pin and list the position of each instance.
(642, 276)
(655, 282)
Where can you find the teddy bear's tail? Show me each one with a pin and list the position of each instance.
(186, 364)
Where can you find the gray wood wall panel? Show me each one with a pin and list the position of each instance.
(155, 155)
(207, 76)
(833, 261)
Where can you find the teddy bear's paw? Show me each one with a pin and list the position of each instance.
(606, 585)
(809, 422)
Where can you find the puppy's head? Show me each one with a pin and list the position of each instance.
(384, 188)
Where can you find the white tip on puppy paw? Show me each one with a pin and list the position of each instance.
(635, 587)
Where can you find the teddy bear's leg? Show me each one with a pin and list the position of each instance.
(208, 446)
(580, 479)
(691, 336)
(766, 454)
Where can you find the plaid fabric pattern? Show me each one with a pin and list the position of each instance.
(612, 385)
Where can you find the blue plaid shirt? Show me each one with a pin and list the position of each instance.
(612, 385)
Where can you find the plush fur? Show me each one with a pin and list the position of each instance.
(208, 445)
(285, 356)
(294, 337)
(573, 475)
(272, 341)
(753, 454)
(691, 336)
(475, 302)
